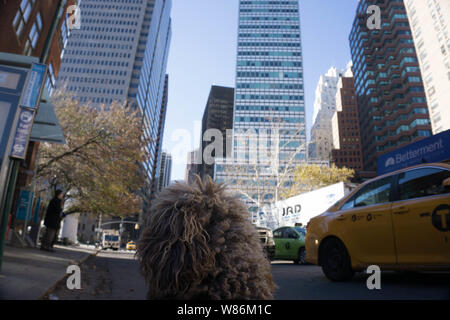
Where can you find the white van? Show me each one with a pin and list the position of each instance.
(111, 240)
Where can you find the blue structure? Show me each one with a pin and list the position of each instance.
(433, 149)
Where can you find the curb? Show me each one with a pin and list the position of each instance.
(47, 292)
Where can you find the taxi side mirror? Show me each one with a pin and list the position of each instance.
(446, 183)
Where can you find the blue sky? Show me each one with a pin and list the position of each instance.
(203, 53)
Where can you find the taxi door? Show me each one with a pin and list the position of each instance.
(422, 217)
(365, 224)
(280, 243)
(291, 243)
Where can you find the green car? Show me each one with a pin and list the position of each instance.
(290, 244)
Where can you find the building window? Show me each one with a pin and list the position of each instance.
(65, 32)
(51, 79)
(22, 16)
(33, 36)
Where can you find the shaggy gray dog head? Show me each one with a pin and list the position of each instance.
(198, 243)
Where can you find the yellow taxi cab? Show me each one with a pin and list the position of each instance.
(131, 245)
(398, 221)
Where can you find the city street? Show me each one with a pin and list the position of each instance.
(210, 136)
(303, 282)
(115, 275)
(108, 276)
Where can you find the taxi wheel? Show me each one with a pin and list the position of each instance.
(301, 256)
(336, 263)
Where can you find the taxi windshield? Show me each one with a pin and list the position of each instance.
(301, 230)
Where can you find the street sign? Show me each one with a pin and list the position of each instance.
(433, 149)
(34, 85)
(22, 135)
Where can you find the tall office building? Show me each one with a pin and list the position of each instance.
(192, 166)
(391, 99)
(430, 25)
(269, 76)
(324, 108)
(346, 147)
(158, 134)
(218, 115)
(269, 98)
(120, 54)
(165, 172)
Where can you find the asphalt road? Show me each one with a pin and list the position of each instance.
(307, 282)
(108, 276)
(115, 276)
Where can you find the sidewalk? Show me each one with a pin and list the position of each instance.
(28, 273)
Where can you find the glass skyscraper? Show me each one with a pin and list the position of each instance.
(392, 105)
(269, 73)
(120, 54)
(269, 99)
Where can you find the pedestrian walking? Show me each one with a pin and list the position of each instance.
(52, 221)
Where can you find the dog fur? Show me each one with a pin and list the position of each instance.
(198, 243)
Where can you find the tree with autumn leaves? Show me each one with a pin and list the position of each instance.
(312, 177)
(99, 166)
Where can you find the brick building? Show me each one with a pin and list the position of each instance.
(346, 150)
(392, 106)
(37, 28)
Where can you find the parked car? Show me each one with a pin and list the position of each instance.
(131, 245)
(266, 237)
(290, 244)
(398, 221)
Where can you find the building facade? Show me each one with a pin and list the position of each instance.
(269, 75)
(218, 115)
(38, 29)
(430, 25)
(120, 54)
(165, 172)
(26, 26)
(324, 109)
(193, 166)
(269, 134)
(157, 166)
(346, 151)
(26, 30)
(392, 105)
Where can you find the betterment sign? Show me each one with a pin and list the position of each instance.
(433, 149)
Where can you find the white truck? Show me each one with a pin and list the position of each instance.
(300, 209)
(111, 239)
